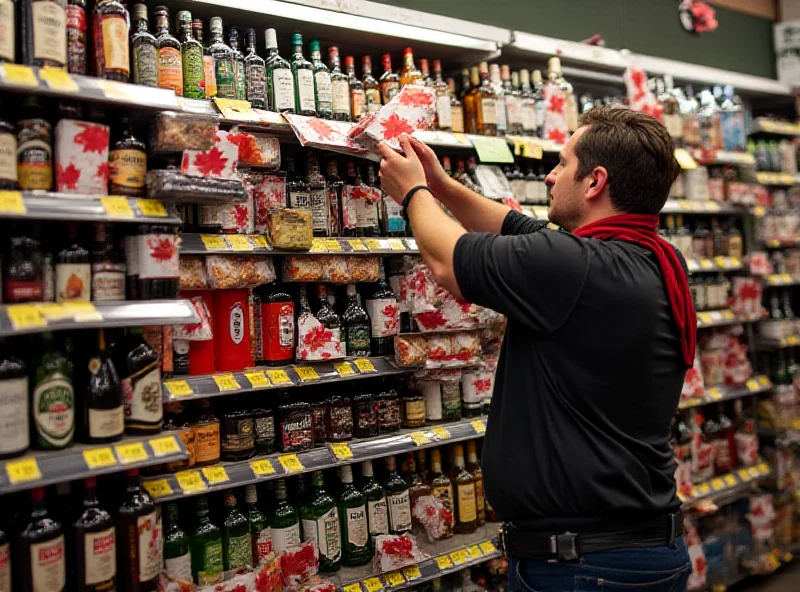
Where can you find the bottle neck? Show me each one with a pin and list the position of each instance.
(141, 25)
(458, 461)
(216, 36)
(162, 24)
(472, 457)
(316, 56)
(298, 51)
(408, 61)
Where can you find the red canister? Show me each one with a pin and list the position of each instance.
(231, 322)
(201, 353)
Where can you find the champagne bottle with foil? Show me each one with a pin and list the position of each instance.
(104, 411)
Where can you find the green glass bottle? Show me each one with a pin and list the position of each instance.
(340, 87)
(321, 524)
(377, 508)
(356, 542)
(237, 550)
(285, 521)
(398, 499)
(303, 71)
(322, 82)
(223, 61)
(177, 557)
(239, 74)
(280, 82)
(260, 533)
(194, 81)
(53, 397)
(206, 548)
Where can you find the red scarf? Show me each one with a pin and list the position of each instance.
(640, 229)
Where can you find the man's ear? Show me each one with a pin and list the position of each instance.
(598, 180)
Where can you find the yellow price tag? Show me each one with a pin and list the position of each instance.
(152, 208)
(259, 241)
(730, 480)
(24, 469)
(178, 388)
(117, 207)
(239, 242)
(702, 489)
(97, 458)
(214, 242)
(711, 206)
(333, 245)
(411, 572)
(318, 246)
(355, 587)
(278, 377)
(344, 369)
(419, 438)
(444, 562)
(532, 149)
(743, 474)
(215, 475)
(23, 316)
(475, 552)
(717, 484)
(226, 382)
(478, 426)
(357, 244)
(373, 584)
(19, 75)
(685, 159)
(764, 381)
(722, 262)
(394, 578)
(131, 453)
(164, 446)
(459, 557)
(752, 385)
(306, 373)
(364, 365)
(703, 318)
(488, 547)
(58, 79)
(11, 202)
(191, 481)
(290, 463)
(441, 433)
(258, 379)
(763, 468)
(341, 450)
(373, 244)
(395, 244)
(706, 264)
(262, 467)
(753, 472)
(158, 488)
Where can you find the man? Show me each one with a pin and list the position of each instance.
(601, 330)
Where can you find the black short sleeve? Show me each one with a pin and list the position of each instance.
(516, 223)
(534, 279)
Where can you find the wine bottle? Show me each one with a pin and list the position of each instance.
(285, 522)
(382, 310)
(206, 548)
(44, 33)
(356, 326)
(321, 524)
(140, 375)
(139, 550)
(377, 508)
(237, 549)
(397, 499)
(260, 532)
(280, 81)
(14, 426)
(104, 411)
(474, 467)
(177, 556)
(39, 557)
(352, 508)
(94, 542)
(466, 507)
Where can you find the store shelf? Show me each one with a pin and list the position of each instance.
(234, 474)
(255, 244)
(783, 342)
(771, 126)
(782, 279)
(719, 157)
(717, 264)
(43, 205)
(724, 488)
(722, 318)
(279, 377)
(777, 179)
(687, 206)
(19, 319)
(781, 244)
(754, 386)
(84, 460)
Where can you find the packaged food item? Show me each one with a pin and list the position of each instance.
(237, 217)
(318, 584)
(299, 563)
(363, 269)
(303, 269)
(219, 161)
(268, 192)
(335, 269)
(172, 185)
(321, 133)
(227, 272)
(193, 273)
(435, 515)
(175, 132)
(410, 350)
(196, 331)
(256, 149)
(81, 157)
(290, 229)
(394, 551)
(296, 427)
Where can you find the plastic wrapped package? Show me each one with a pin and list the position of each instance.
(268, 192)
(315, 342)
(299, 563)
(193, 273)
(303, 269)
(435, 515)
(256, 149)
(175, 132)
(81, 164)
(440, 350)
(219, 161)
(317, 584)
(226, 272)
(196, 331)
(410, 350)
(237, 217)
(335, 269)
(172, 185)
(697, 578)
(363, 269)
(290, 229)
(395, 551)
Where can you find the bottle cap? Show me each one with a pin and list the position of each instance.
(215, 24)
(366, 63)
(271, 38)
(140, 12)
(183, 16)
(524, 77)
(366, 468)
(387, 61)
(297, 39)
(349, 61)
(250, 35)
(423, 66)
(346, 474)
(484, 67)
(537, 76)
(554, 64)
(313, 45)
(505, 72)
(390, 463)
(250, 495)
(408, 51)
(515, 78)
(437, 65)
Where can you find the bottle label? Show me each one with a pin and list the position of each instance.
(324, 98)
(283, 87)
(145, 65)
(239, 76)
(451, 400)
(357, 530)
(326, 534)
(674, 124)
(357, 340)
(226, 77)
(373, 97)
(378, 514)
(127, 168)
(8, 153)
(76, 38)
(158, 256)
(265, 430)
(239, 435)
(73, 282)
(283, 538)
(394, 215)
(14, 435)
(212, 564)
(188, 436)
(115, 43)
(399, 511)
(257, 84)
(479, 497)
(48, 567)
(383, 316)
(502, 119)
(457, 116)
(193, 71)
(467, 510)
(49, 31)
(489, 111)
(389, 90)
(432, 391)
(170, 70)
(513, 110)
(305, 90)
(34, 153)
(180, 568)
(318, 201)
(5, 562)
(108, 281)
(54, 409)
(207, 435)
(143, 399)
(106, 423)
(263, 543)
(359, 103)
(415, 410)
(210, 76)
(340, 94)
(236, 323)
(150, 546)
(443, 112)
(367, 207)
(100, 551)
(240, 551)
(7, 26)
(277, 330)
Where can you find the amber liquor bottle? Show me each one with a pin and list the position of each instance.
(372, 90)
(474, 467)
(209, 74)
(39, 560)
(94, 540)
(389, 81)
(485, 102)
(464, 482)
(110, 22)
(441, 489)
(44, 33)
(139, 548)
(140, 375)
(409, 74)
(170, 63)
(358, 98)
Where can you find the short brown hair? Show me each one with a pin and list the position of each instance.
(637, 152)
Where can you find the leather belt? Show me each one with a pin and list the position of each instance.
(569, 546)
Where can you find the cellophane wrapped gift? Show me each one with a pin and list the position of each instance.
(433, 307)
(218, 162)
(237, 217)
(81, 157)
(167, 583)
(641, 98)
(737, 368)
(316, 584)
(693, 381)
(290, 229)
(316, 342)
(299, 563)
(268, 192)
(264, 578)
(193, 273)
(747, 296)
(256, 149)
(172, 185)
(410, 350)
(175, 132)
(396, 551)
(196, 331)
(225, 272)
(327, 134)
(747, 444)
(761, 517)
(435, 515)
(697, 579)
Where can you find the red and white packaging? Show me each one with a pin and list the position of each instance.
(299, 563)
(81, 149)
(316, 342)
(698, 576)
(256, 149)
(238, 217)
(477, 385)
(746, 299)
(383, 316)
(231, 327)
(396, 551)
(158, 256)
(759, 263)
(267, 192)
(324, 133)
(219, 161)
(435, 515)
(761, 517)
(702, 452)
(197, 331)
(747, 447)
(555, 114)
(641, 98)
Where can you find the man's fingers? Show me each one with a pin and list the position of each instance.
(387, 152)
(408, 149)
(421, 148)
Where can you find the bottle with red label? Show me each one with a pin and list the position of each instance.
(277, 325)
(140, 544)
(157, 262)
(39, 561)
(382, 310)
(76, 37)
(94, 543)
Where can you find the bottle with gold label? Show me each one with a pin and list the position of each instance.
(409, 73)
(110, 20)
(474, 467)
(34, 147)
(442, 489)
(206, 429)
(127, 162)
(464, 482)
(358, 98)
(389, 81)
(469, 95)
(485, 102)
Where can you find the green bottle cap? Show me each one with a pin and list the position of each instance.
(297, 39)
(314, 45)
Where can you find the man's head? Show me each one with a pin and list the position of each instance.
(618, 161)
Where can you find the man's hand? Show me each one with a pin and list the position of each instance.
(400, 173)
(437, 177)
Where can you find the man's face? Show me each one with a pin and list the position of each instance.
(567, 196)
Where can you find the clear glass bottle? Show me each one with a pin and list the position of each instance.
(317, 196)
(239, 73)
(444, 118)
(464, 482)
(500, 104)
(371, 87)
(224, 67)
(377, 508)
(177, 555)
(511, 96)
(456, 108)
(527, 104)
(303, 71)
(340, 88)
(322, 82)
(539, 103)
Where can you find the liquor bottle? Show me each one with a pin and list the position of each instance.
(237, 549)
(322, 82)
(317, 197)
(485, 102)
(389, 81)
(170, 68)
(539, 102)
(53, 397)
(351, 201)
(8, 139)
(303, 73)
(470, 100)
(500, 105)
(474, 467)
(73, 270)
(110, 21)
(377, 508)
(44, 33)
(285, 521)
(444, 119)
(140, 544)
(511, 97)
(144, 51)
(527, 104)
(138, 367)
(327, 316)
(260, 533)
(372, 90)
(367, 213)
(194, 79)
(38, 550)
(352, 508)
(356, 326)
(277, 330)
(340, 88)
(441, 488)
(358, 98)
(206, 429)
(335, 185)
(409, 73)
(296, 192)
(264, 425)
(8, 48)
(94, 544)
(14, 425)
(127, 162)
(239, 73)
(280, 81)
(103, 410)
(382, 310)
(392, 221)
(237, 434)
(206, 548)
(416, 487)
(321, 524)
(426, 75)
(177, 555)
(108, 267)
(224, 67)
(672, 111)
(456, 107)
(397, 498)
(76, 35)
(209, 66)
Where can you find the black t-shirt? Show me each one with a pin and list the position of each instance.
(588, 379)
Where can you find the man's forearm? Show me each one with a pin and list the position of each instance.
(474, 211)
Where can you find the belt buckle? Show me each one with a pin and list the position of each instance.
(564, 547)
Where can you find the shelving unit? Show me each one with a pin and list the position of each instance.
(718, 394)
(729, 487)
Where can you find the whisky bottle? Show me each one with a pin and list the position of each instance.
(444, 119)
(285, 521)
(139, 370)
(377, 508)
(104, 413)
(527, 104)
(321, 525)
(170, 67)
(322, 82)
(512, 100)
(192, 60)
(317, 197)
(38, 550)
(456, 107)
(474, 467)
(485, 102)
(358, 98)
(389, 81)
(94, 544)
(127, 159)
(335, 186)
(303, 72)
(471, 82)
(224, 67)
(255, 73)
(260, 533)
(416, 487)
(296, 193)
(206, 547)
(356, 326)
(499, 91)
(239, 74)
(110, 22)
(571, 105)
(76, 34)
(8, 53)
(352, 508)
(351, 192)
(372, 89)
(382, 310)
(409, 73)
(397, 498)
(340, 88)
(209, 67)
(140, 539)
(539, 103)
(441, 489)
(177, 556)
(426, 79)
(145, 50)
(280, 82)
(237, 549)
(464, 482)
(44, 33)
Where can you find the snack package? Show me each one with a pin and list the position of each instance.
(303, 269)
(410, 350)
(196, 331)
(256, 149)
(268, 575)
(81, 163)
(218, 162)
(299, 563)
(175, 132)
(226, 272)
(747, 296)
(193, 273)
(396, 551)
(237, 217)
(268, 192)
(363, 269)
(172, 185)
(290, 229)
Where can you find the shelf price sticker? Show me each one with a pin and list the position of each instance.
(357, 244)
(714, 394)
(239, 242)
(97, 458)
(278, 377)
(19, 75)
(479, 426)
(11, 202)
(164, 446)
(344, 369)
(258, 241)
(395, 244)
(24, 316)
(444, 562)
(730, 480)
(394, 578)
(702, 489)
(306, 373)
(685, 160)
(131, 453)
(752, 385)
(151, 208)
(703, 318)
(318, 246)
(158, 488)
(214, 242)
(178, 388)
(58, 79)
(291, 463)
(411, 572)
(22, 470)
(475, 552)
(753, 472)
(459, 557)
(373, 584)
(333, 245)
(441, 433)
(419, 438)
(341, 450)
(743, 475)
(717, 484)
(364, 365)
(373, 244)
(354, 587)
(117, 207)
(191, 481)
(792, 340)
(226, 382)
(258, 379)
(764, 381)
(706, 264)
(262, 467)
(215, 475)
(763, 468)
(488, 547)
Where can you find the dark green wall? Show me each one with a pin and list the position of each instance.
(742, 43)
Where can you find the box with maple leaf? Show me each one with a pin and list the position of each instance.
(322, 133)
(219, 161)
(81, 157)
(256, 149)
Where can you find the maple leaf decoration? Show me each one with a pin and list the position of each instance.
(102, 171)
(211, 163)
(162, 249)
(317, 337)
(557, 103)
(322, 129)
(68, 177)
(415, 98)
(395, 126)
(242, 215)
(93, 138)
(249, 151)
(558, 136)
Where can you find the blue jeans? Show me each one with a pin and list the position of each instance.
(639, 569)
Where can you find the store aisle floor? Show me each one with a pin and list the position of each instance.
(787, 580)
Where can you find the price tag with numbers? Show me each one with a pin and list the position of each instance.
(278, 377)
(730, 480)
(117, 207)
(373, 244)
(475, 552)
(364, 365)
(152, 208)
(703, 318)
(333, 245)
(373, 584)
(258, 379)
(214, 242)
(158, 488)
(191, 481)
(258, 241)
(752, 385)
(131, 453)
(714, 394)
(743, 475)
(706, 264)
(23, 316)
(11, 202)
(479, 426)
(753, 472)
(226, 382)
(262, 467)
(19, 75)
(290, 463)
(441, 432)
(459, 557)
(341, 450)
(412, 244)
(22, 470)
(763, 468)
(318, 246)
(702, 489)
(239, 242)
(411, 572)
(215, 475)
(164, 445)
(306, 373)
(488, 547)
(444, 562)
(97, 458)
(344, 369)
(357, 244)
(419, 438)
(178, 388)
(764, 381)
(58, 79)
(394, 578)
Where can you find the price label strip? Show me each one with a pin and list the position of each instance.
(344, 369)
(441, 433)
(215, 475)
(395, 244)
(717, 484)
(151, 208)
(164, 446)
(475, 552)
(117, 207)
(214, 242)
(459, 557)
(131, 453)
(178, 388)
(411, 573)
(97, 458)
(333, 245)
(239, 242)
(259, 241)
(25, 316)
(341, 450)
(290, 463)
(258, 379)
(191, 481)
(278, 377)
(373, 584)
(419, 438)
(11, 202)
(364, 365)
(19, 75)
(58, 79)
(488, 547)
(479, 426)
(262, 467)
(158, 488)
(730, 480)
(23, 470)
(226, 382)
(355, 587)
(357, 244)
(444, 562)
(394, 579)
(743, 475)
(752, 385)
(306, 373)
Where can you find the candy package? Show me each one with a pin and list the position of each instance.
(256, 149)
(172, 185)
(436, 516)
(193, 273)
(290, 229)
(337, 269)
(396, 551)
(226, 272)
(316, 342)
(176, 132)
(81, 164)
(218, 162)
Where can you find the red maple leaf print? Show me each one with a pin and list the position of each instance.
(411, 97)
(482, 385)
(390, 318)
(322, 129)
(638, 78)
(422, 123)
(242, 215)
(102, 171)
(433, 319)
(68, 177)
(162, 248)
(249, 151)
(395, 126)
(558, 136)
(211, 163)
(94, 138)
(557, 103)
(317, 338)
